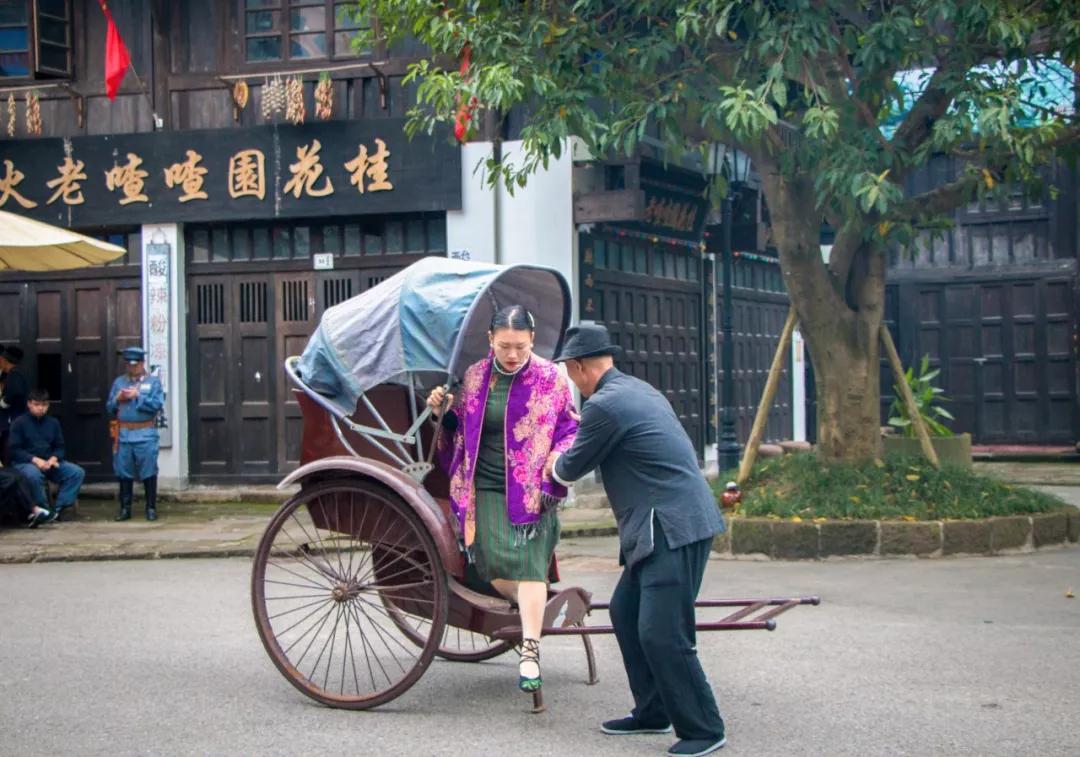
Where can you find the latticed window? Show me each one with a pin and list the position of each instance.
(35, 39)
(298, 30)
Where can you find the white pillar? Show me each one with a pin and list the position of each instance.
(165, 340)
(798, 386)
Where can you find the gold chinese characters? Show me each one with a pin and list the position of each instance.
(189, 176)
(247, 174)
(374, 167)
(306, 171)
(12, 177)
(67, 184)
(680, 216)
(130, 182)
(129, 179)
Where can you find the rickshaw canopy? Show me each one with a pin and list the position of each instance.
(430, 318)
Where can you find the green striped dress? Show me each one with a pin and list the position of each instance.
(495, 551)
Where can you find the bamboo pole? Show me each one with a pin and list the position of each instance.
(757, 431)
(908, 397)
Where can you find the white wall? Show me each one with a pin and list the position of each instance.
(535, 225)
(471, 230)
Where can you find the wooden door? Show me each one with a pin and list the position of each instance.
(650, 299)
(295, 320)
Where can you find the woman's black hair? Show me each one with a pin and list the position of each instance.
(513, 317)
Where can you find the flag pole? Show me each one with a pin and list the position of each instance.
(145, 93)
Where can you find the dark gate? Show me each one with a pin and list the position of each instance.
(71, 332)
(1006, 352)
(245, 318)
(649, 295)
(760, 307)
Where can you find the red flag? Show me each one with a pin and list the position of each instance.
(117, 58)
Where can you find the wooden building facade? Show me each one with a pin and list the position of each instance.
(993, 302)
(277, 217)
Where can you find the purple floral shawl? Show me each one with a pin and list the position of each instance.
(538, 421)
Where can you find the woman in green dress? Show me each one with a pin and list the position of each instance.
(514, 411)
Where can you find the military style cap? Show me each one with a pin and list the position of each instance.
(133, 354)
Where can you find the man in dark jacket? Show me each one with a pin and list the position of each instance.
(13, 396)
(667, 517)
(37, 451)
(17, 501)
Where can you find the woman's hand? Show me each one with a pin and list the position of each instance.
(436, 400)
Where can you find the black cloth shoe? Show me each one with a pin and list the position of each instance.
(696, 747)
(127, 490)
(629, 725)
(150, 489)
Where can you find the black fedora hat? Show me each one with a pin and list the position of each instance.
(13, 354)
(587, 339)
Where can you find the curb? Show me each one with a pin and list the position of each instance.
(795, 540)
(158, 552)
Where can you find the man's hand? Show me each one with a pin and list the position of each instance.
(550, 464)
(41, 465)
(128, 394)
(53, 462)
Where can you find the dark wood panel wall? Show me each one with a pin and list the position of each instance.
(1032, 226)
(180, 48)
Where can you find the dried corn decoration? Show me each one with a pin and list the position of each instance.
(12, 114)
(324, 97)
(265, 102)
(33, 114)
(294, 101)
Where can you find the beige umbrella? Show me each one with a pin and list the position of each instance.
(29, 245)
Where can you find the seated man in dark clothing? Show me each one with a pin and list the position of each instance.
(12, 395)
(17, 501)
(37, 452)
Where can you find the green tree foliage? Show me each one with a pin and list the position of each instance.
(808, 88)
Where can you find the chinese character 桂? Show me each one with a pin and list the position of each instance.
(12, 177)
(306, 171)
(67, 184)
(189, 176)
(373, 166)
(129, 178)
(247, 174)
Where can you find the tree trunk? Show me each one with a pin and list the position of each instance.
(847, 371)
(839, 316)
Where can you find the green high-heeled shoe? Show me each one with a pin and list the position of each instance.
(529, 652)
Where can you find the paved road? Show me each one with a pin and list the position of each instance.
(945, 657)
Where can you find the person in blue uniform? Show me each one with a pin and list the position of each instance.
(134, 402)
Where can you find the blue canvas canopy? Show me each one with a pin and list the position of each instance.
(431, 318)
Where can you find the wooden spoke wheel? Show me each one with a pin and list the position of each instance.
(457, 644)
(332, 562)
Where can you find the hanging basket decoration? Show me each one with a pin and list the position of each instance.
(294, 101)
(324, 97)
(33, 114)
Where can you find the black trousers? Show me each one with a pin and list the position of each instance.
(652, 610)
(16, 499)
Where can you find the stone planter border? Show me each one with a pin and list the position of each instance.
(791, 540)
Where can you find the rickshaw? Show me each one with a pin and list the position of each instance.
(359, 581)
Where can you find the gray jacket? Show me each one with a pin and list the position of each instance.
(648, 465)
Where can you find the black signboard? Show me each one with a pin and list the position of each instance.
(275, 171)
(675, 204)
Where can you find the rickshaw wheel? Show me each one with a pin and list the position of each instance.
(457, 644)
(329, 561)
